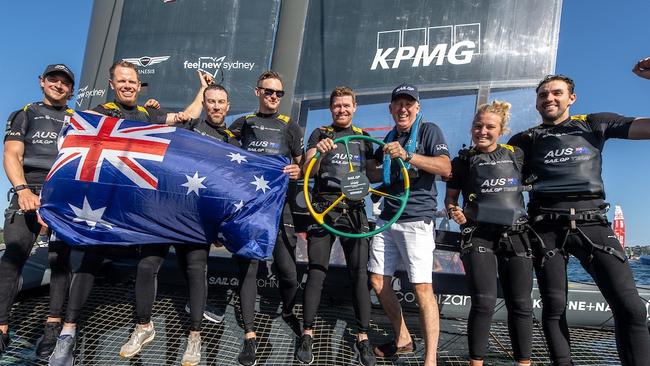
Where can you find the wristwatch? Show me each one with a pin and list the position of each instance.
(409, 156)
(20, 187)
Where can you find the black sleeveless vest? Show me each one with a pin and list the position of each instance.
(335, 164)
(565, 159)
(496, 195)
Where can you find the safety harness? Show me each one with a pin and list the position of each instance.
(570, 218)
(520, 248)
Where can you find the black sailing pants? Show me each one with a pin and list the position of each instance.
(284, 266)
(20, 232)
(613, 277)
(516, 278)
(319, 248)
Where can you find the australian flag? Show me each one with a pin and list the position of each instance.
(122, 182)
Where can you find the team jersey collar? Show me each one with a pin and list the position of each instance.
(124, 106)
(267, 115)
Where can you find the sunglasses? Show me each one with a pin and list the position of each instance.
(268, 92)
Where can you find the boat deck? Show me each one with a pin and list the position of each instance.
(108, 321)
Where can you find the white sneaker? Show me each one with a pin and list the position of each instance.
(139, 338)
(192, 355)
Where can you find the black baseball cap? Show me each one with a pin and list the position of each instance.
(50, 69)
(405, 89)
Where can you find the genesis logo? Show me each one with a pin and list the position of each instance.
(85, 93)
(422, 47)
(146, 61)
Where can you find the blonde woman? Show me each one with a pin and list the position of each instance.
(494, 223)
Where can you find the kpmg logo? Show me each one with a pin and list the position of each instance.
(422, 47)
(84, 93)
(146, 61)
(212, 65)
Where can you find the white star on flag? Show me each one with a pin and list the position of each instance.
(237, 157)
(194, 183)
(88, 215)
(239, 205)
(260, 183)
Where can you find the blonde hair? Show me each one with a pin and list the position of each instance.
(500, 108)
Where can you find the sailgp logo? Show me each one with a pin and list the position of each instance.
(455, 44)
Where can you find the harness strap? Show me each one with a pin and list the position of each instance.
(603, 248)
(521, 249)
(572, 215)
(548, 253)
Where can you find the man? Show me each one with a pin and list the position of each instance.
(410, 240)
(347, 216)
(192, 258)
(270, 133)
(216, 105)
(126, 84)
(29, 152)
(563, 162)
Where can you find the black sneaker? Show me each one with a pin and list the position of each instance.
(364, 353)
(47, 342)
(4, 342)
(210, 313)
(303, 352)
(63, 354)
(247, 354)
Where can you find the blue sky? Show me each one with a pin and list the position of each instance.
(598, 46)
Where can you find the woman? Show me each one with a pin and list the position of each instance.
(493, 226)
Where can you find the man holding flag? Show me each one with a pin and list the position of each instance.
(270, 133)
(125, 82)
(29, 151)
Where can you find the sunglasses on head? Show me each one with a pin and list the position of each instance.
(269, 92)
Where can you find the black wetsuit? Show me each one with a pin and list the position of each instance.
(206, 128)
(493, 181)
(37, 126)
(192, 258)
(93, 257)
(348, 216)
(567, 207)
(273, 134)
(132, 113)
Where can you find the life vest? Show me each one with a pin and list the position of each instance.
(335, 163)
(40, 135)
(565, 159)
(496, 189)
(204, 128)
(266, 135)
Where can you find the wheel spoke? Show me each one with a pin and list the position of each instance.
(347, 152)
(384, 194)
(334, 204)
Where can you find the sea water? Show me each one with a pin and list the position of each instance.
(575, 272)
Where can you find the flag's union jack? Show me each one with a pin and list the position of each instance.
(93, 142)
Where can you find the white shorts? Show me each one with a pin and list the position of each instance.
(406, 245)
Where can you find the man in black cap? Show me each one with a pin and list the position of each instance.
(29, 152)
(409, 242)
